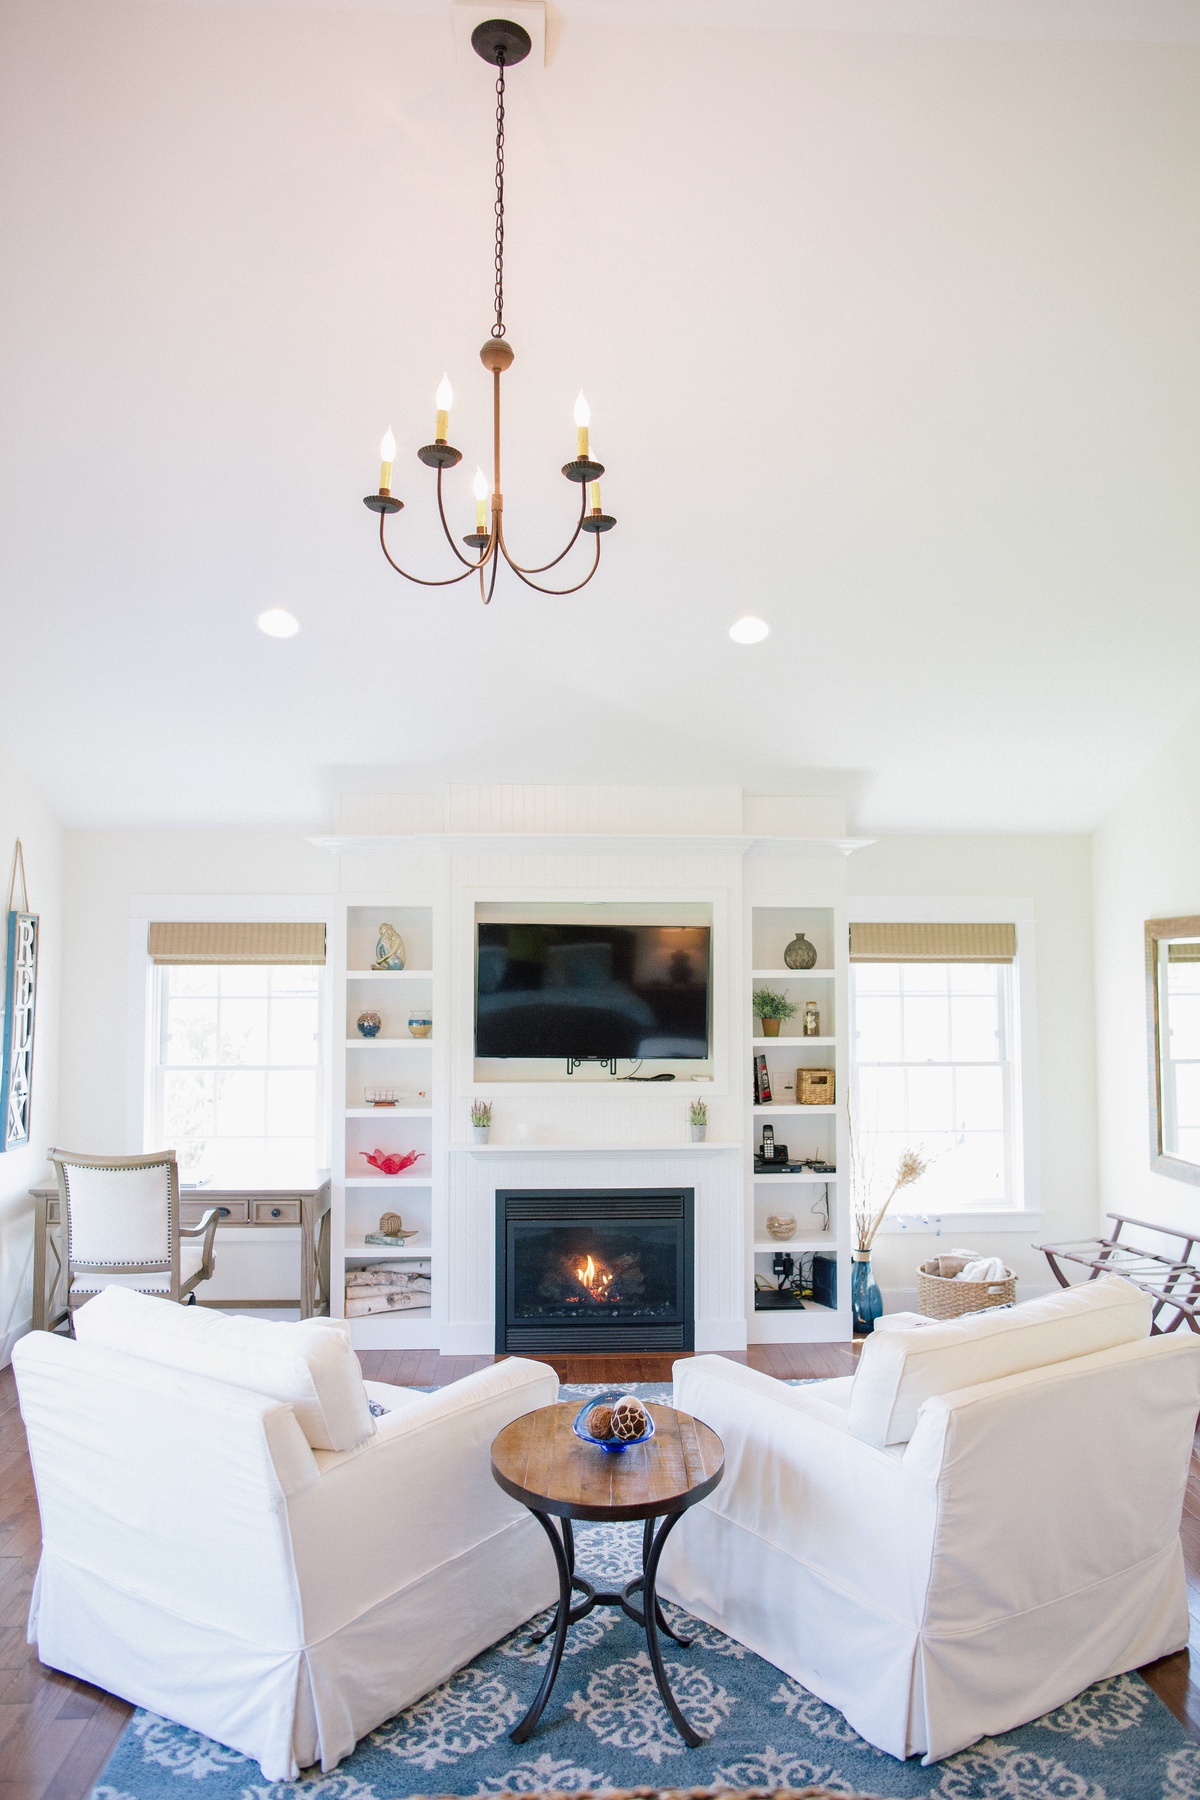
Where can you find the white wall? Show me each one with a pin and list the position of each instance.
(105, 870)
(1055, 873)
(25, 815)
(1146, 865)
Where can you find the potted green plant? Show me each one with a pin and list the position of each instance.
(698, 1117)
(481, 1120)
(772, 1009)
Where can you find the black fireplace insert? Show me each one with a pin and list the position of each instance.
(594, 1269)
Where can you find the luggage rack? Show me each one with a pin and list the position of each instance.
(1170, 1281)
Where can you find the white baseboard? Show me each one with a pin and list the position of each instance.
(10, 1338)
(468, 1337)
(713, 1335)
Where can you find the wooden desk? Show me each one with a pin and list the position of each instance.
(240, 1208)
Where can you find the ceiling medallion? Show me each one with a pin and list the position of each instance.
(502, 43)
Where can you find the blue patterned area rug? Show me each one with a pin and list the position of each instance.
(605, 1727)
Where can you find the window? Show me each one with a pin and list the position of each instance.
(237, 1072)
(933, 1069)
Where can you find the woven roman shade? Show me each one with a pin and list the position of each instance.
(206, 941)
(933, 943)
(1183, 952)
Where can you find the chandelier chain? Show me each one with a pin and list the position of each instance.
(493, 40)
(498, 327)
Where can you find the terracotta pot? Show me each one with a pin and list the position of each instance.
(770, 1027)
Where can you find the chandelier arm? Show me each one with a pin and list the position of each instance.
(470, 566)
(486, 596)
(569, 590)
(420, 579)
(540, 568)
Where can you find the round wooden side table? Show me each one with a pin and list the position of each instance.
(540, 1462)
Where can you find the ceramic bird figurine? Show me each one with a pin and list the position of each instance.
(389, 949)
(387, 1162)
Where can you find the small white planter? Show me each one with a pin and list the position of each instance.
(699, 1133)
(480, 1133)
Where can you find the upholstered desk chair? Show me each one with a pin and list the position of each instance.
(121, 1217)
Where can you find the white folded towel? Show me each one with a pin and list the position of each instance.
(984, 1268)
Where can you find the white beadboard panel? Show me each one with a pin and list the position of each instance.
(391, 874)
(640, 811)
(786, 815)
(380, 815)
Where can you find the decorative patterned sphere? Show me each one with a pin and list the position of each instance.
(629, 1419)
(369, 1023)
(599, 1420)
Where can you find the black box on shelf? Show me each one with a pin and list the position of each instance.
(824, 1278)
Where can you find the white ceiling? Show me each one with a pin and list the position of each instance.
(890, 338)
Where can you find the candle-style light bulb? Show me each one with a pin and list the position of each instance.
(480, 489)
(387, 452)
(445, 400)
(583, 418)
(594, 495)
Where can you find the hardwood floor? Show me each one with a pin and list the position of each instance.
(56, 1734)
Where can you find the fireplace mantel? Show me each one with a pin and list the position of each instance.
(595, 1149)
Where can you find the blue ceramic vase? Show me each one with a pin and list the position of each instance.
(866, 1302)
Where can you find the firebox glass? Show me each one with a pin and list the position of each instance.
(561, 1272)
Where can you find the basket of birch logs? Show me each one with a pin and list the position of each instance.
(385, 1288)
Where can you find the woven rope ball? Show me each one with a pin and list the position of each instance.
(599, 1421)
(391, 1225)
(629, 1419)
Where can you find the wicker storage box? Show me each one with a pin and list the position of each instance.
(948, 1297)
(814, 1087)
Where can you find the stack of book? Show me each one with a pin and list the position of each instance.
(386, 1287)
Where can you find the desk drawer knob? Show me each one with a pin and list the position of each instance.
(223, 1211)
(276, 1212)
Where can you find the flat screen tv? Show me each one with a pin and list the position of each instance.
(592, 992)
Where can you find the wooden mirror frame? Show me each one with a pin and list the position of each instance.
(1157, 932)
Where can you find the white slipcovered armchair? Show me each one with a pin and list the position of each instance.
(232, 1540)
(973, 1528)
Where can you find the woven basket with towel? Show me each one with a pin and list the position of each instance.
(963, 1282)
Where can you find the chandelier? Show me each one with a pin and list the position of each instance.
(501, 43)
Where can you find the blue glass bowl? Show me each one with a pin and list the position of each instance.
(610, 1444)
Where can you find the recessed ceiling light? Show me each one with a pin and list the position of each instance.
(749, 630)
(278, 622)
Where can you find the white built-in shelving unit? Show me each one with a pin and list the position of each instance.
(779, 906)
(408, 1064)
(587, 1130)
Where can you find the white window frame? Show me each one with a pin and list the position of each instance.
(142, 1055)
(159, 1069)
(1024, 1211)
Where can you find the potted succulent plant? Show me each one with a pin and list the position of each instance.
(698, 1118)
(481, 1120)
(772, 1009)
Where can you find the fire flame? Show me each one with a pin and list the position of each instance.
(595, 1280)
